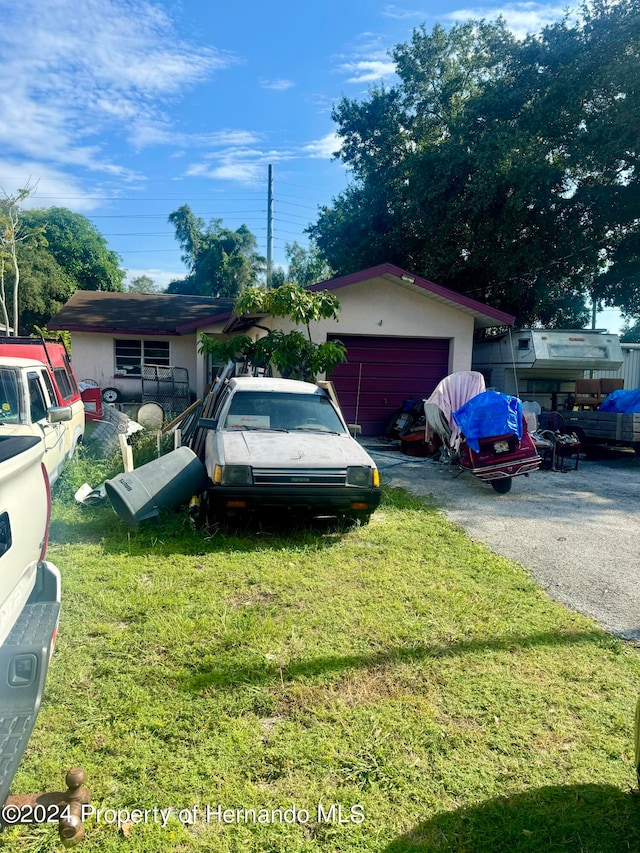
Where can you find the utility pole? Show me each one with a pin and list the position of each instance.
(270, 227)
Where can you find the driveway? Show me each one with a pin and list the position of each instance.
(578, 532)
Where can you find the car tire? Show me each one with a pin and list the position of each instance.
(111, 395)
(360, 518)
(503, 485)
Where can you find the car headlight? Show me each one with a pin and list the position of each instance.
(233, 475)
(362, 475)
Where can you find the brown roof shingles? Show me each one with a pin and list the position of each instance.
(139, 313)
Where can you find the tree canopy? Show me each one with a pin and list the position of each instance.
(504, 169)
(221, 262)
(295, 355)
(142, 284)
(15, 234)
(78, 247)
(56, 253)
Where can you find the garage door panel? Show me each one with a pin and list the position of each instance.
(381, 373)
(396, 356)
(373, 342)
(375, 372)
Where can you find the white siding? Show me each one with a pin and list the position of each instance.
(630, 370)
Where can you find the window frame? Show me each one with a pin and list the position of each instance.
(139, 361)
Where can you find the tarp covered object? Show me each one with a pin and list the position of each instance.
(626, 402)
(449, 394)
(487, 414)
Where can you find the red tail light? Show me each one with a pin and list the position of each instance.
(45, 540)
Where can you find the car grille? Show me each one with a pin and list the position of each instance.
(299, 477)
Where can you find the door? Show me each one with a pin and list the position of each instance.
(382, 372)
(53, 434)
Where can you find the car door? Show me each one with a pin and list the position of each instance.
(53, 434)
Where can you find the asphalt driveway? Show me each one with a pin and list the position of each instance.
(577, 532)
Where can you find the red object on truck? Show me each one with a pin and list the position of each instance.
(92, 400)
(54, 356)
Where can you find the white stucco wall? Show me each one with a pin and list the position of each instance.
(92, 355)
(373, 307)
(379, 307)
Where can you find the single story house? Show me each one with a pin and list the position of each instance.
(403, 334)
(118, 337)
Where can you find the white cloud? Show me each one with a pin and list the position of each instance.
(52, 188)
(248, 165)
(521, 18)
(368, 70)
(72, 70)
(230, 169)
(398, 14)
(231, 138)
(323, 148)
(277, 85)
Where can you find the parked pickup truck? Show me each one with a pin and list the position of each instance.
(611, 429)
(29, 407)
(29, 595)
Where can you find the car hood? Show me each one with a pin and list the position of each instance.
(291, 449)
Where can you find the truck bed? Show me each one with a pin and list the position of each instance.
(605, 427)
(24, 660)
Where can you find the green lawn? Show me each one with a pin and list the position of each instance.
(410, 676)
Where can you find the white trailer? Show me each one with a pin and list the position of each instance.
(543, 364)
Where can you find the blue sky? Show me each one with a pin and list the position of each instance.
(123, 111)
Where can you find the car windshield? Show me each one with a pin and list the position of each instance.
(282, 411)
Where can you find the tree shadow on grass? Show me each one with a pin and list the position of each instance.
(228, 672)
(555, 819)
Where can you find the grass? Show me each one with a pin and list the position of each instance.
(398, 670)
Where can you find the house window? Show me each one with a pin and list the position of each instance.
(132, 356)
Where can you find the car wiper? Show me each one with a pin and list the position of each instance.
(319, 429)
(253, 428)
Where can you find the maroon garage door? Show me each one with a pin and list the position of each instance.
(381, 373)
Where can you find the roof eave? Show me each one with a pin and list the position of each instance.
(240, 322)
(102, 330)
(484, 315)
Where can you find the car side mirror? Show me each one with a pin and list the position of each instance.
(57, 414)
(208, 423)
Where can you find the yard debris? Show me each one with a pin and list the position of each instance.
(104, 438)
(89, 496)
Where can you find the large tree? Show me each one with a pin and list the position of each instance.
(306, 266)
(221, 262)
(78, 247)
(142, 284)
(56, 252)
(45, 287)
(14, 234)
(505, 170)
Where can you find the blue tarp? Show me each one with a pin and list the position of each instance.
(626, 402)
(488, 414)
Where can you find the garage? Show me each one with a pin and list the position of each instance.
(382, 372)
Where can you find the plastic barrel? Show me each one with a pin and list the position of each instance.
(165, 483)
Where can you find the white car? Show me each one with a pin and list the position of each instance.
(280, 443)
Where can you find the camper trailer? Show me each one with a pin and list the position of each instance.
(543, 364)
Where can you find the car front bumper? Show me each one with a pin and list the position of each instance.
(344, 500)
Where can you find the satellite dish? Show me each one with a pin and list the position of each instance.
(150, 415)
